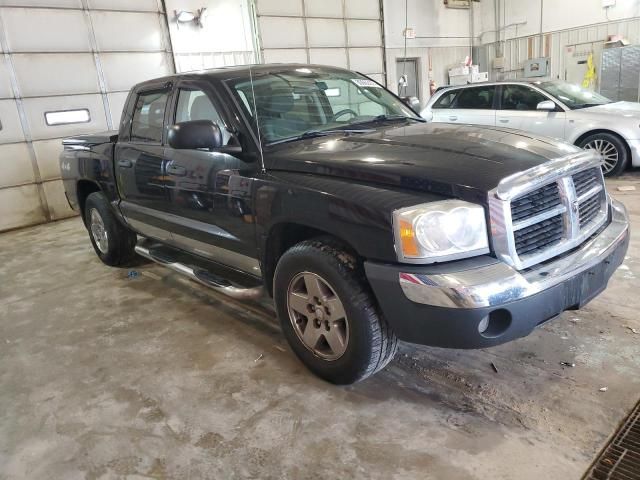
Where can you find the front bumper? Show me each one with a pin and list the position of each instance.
(481, 302)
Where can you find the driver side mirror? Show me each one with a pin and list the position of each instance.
(412, 102)
(547, 105)
(195, 134)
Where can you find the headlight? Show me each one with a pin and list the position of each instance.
(440, 231)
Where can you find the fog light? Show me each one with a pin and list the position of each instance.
(484, 323)
(495, 324)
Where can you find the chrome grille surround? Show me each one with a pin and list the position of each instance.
(561, 172)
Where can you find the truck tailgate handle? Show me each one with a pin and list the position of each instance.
(503, 120)
(176, 170)
(125, 163)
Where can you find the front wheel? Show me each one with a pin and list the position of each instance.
(328, 313)
(113, 242)
(613, 150)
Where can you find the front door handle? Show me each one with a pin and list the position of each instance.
(176, 170)
(453, 118)
(125, 163)
(503, 120)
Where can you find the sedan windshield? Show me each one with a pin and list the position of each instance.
(572, 95)
(306, 102)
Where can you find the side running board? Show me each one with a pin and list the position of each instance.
(200, 275)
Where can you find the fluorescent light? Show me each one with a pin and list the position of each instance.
(63, 117)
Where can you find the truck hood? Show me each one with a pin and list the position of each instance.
(453, 160)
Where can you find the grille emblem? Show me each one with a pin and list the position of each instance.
(575, 206)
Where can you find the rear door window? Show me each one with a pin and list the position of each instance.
(148, 117)
(476, 98)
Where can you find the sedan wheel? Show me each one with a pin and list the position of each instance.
(608, 151)
(317, 316)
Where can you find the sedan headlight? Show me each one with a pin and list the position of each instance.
(440, 231)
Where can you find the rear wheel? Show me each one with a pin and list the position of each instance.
(328, 313)
(613, 150)
(113, 242)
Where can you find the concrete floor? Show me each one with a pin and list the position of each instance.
(103, 376)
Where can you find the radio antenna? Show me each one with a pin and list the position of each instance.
(255, 112)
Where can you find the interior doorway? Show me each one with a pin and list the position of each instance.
(408, 67)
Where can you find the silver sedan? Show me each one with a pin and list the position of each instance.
(547, 108)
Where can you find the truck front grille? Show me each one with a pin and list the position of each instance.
(538, 201)
(539, 236)
(546, 221)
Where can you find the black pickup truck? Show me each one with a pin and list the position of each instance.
(365, 224)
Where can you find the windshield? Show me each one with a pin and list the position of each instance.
(573, 96)
(308, 101)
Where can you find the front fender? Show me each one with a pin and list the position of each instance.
(359, 214)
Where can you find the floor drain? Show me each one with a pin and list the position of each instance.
(620, 460)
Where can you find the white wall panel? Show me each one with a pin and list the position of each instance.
(280, 7)
(366, 60)
(285, 56)
(364, 33)
(47, 154)
(336, 57)
(15, 162)
(325, 33)
(363, 9)
(35, 109)
(74, 73)
(5, 80)
(45, 30)
(11, 130)
(139, 5)
(20, 206)
(56, 201)
(323, 8)
(123, 70)
(116, 105)
(42, 3)
(119, 31)
(277, 32)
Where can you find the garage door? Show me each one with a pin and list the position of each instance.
(343, 33)
(65, 68)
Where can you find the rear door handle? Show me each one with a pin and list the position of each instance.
(176, 170)
(125, 163)
(503, 120)
(453, 118)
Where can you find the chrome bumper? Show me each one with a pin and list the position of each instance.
(497, 283)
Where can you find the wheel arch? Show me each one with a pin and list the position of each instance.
(603, 130)
(84, 188)
(284, 235)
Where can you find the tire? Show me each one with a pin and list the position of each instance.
(368, 342)
(612, 148)
(113, 242)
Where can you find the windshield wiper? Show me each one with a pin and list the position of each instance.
(321, 133)
(389, 118)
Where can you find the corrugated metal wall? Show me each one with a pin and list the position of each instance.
(517, 50)
(343, 33)
(59, 55)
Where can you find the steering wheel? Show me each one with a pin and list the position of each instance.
(344, 112)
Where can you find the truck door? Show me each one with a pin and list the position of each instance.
(210, 192)
(139, 162)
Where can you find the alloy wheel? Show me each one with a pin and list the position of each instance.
(317, 316)
(98, 232)
(608, 151)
